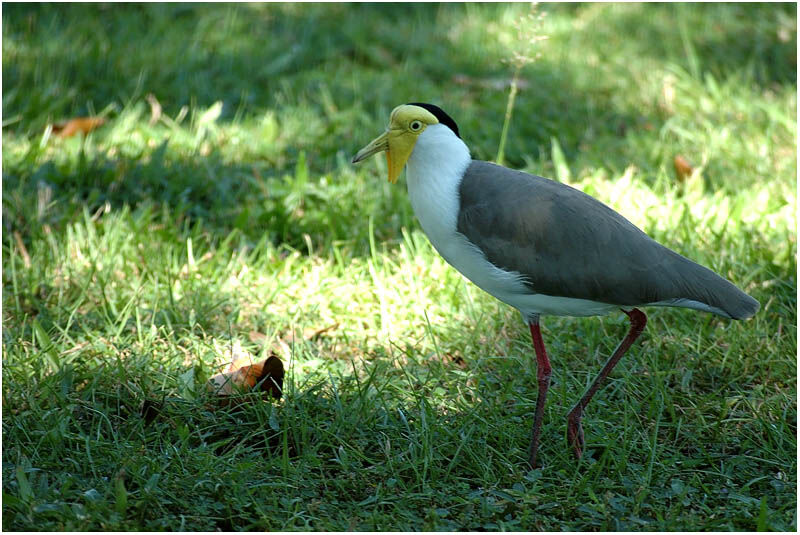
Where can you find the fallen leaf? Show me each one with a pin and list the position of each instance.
(244, 375)
(683, 169)
(82, 125)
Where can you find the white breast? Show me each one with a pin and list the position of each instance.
(434, 172)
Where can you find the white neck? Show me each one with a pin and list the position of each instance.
(433, 173)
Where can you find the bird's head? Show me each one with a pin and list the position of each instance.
(406, 124)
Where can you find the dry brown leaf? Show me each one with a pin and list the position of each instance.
(82, 125)
(244, 375)
(683, 169)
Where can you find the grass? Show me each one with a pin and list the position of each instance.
(135, 259)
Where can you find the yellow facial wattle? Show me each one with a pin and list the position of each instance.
(406, 123)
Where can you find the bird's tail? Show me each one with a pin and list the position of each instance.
(705, 290)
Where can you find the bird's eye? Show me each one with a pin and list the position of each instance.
(415, 126)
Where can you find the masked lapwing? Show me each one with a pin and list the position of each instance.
(540, 246)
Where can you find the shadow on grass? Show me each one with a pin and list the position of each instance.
(269, 56)
(357, 445)
(289, 57)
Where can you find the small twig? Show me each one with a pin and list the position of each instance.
(527, 36)
(512, 95)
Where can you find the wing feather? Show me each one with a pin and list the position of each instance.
(568, 244)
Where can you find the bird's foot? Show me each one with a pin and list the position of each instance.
(575, 431)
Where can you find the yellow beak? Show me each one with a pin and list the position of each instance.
(398, 149)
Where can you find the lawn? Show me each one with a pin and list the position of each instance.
(139, 258)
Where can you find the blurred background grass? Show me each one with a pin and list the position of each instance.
(133, 257)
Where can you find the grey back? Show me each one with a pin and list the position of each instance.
(568, 244)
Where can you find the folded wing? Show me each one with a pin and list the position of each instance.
(568, 244)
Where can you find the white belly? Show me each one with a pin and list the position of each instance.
(508, 286)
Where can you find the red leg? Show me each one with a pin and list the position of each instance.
(543, 376)
(574, 429)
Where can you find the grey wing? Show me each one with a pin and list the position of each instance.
(568, 244)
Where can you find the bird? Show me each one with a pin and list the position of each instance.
(541, 246)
